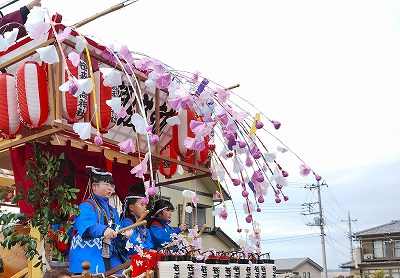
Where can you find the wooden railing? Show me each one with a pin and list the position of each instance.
(111, 273)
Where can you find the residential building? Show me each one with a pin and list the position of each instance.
(297, 267)
(379, 249)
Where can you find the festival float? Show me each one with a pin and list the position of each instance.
(133, 115)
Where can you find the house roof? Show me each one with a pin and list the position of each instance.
(349, 264)
(392, 227)
(291, 264)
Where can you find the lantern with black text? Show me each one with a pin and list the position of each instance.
(167, 168)
(10, 123)
(74, 107)
(32, 94)
(107, 117)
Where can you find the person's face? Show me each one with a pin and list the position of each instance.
(103, 189)
(137, 209)
(165, 214)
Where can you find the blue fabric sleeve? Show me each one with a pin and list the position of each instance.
(159, 235)
(88, 219)
(177, 230)
(149, 242)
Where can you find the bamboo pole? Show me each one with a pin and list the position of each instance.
(143, 216)
(201, 230)
(100, 14)
(184, 211)
(133, 226)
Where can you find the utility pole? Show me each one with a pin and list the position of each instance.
(349, 220)
(319, 223)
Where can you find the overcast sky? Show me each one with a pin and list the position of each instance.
(327, 70)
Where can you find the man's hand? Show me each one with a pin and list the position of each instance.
(110, 233)
(34, 3)
(182, 227)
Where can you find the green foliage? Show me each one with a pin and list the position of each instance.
(50, 199)
(379, 274)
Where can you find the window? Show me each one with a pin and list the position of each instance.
(308, 275)
(378, 250)
(386, 248)
(197, 217)
(304, 275)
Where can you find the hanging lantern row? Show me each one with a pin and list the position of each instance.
(27, 99)
(10, 123)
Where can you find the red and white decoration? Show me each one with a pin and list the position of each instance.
(10, 124)
(32, 94)
(167, 168)
(181, 132)
(107, 117)
(74, 107)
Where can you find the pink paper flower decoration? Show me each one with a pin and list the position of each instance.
(151, 191)
(304, 170)
(195, 77)
(195, 200)
(122, 114)
(145, 200)
(126, 54)
(154, 139)
(127, 146)
(98, 141)
(163, 80)
(218, 195)
(223, 214)
(140, 169)
(73, 87)
(222, 95)
(62, 36)
(276, 124)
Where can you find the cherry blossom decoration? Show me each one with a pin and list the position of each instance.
(48, 54)
(127, 146)
(8, 39)
(35, 25)
(141, 169)
(83, 130)
(192, 195)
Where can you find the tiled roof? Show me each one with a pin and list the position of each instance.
(349, 264)
(293, 263)
(390, 228)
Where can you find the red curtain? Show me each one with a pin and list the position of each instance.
(74, 170)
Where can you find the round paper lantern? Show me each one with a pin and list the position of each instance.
(189, 160)
(74, 107)
(10, 124)
(181, 132)
(107, 117)
(32, 94)
(167, 168)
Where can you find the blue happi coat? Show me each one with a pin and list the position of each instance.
(86, 244)
(161, 232)
(140, 236)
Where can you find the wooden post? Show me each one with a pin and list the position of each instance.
(34, 272)
(86, 272)
(57, 82)
(157, 123)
